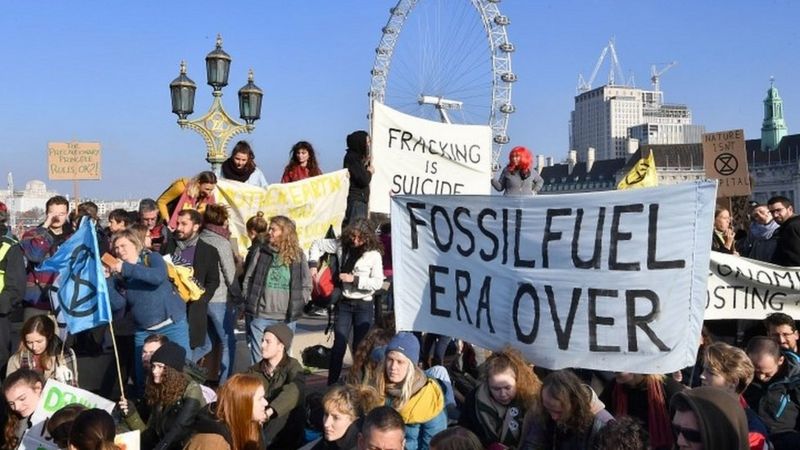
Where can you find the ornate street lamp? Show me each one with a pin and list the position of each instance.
(216, 126)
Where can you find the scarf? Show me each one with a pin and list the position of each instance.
(185, 201)
(230, 171)
(763, 232)
(218, 229)
(658, 422)
(351, 256)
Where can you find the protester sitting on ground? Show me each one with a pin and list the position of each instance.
(775, 391)
(284, 382)
(359, 168)
(787, 251)
(783, 328)
(173, 398)
(567, 414)
(221, 317)
(277, 282)
(645, 397)
(234, 422)
(722, 240)
(623, 433)
(345, 407)
(519, 178)
(762, 238)
(302, 163)
(495, 410)
(40, 349)
(708, 418)
(93, 429)
(458, 438)
(152, 343)
(383, 429)
(187, 194)
(728, 368)
(60, 423)
(405, 387)
(241, 166)
(361, 274)
(22, 390)
(156, 227)
(138, 281)
(368, 357)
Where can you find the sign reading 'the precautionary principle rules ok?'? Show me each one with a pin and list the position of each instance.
(608, 280)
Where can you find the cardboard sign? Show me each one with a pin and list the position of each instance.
(741, 288)
(55, 396)
(129, 441)
(421, 157)
(725, 159)
(73, 160)
(612, 280)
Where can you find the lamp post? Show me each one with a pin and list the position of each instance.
(216, 126)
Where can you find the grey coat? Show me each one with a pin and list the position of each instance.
(227, 265)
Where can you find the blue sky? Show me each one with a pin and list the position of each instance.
(99, 71)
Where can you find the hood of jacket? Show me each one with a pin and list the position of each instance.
(721, 419)
(357, 143)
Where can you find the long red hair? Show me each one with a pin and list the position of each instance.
(235, 410)
(525, 159)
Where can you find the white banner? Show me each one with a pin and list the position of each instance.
(55, 396)
(314, 204)
(741, 288)
(420, 157)
(610, 280)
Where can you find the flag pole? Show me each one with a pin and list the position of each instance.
(116, 358)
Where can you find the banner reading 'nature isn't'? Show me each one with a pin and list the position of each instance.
(610, 280)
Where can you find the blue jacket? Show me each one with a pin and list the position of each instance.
(147, 292)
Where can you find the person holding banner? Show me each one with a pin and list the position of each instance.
(302, 163)
(241, 166)
(406, 388)
(360, 276)
(360, 169)
(138, 281)
(187, 194)
(518, 178)
(40, 349)
(22, 390)
(174, 400)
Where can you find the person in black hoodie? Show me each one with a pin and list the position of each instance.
(358, 166)
(708, 418)
(345, 407)
(12, 282)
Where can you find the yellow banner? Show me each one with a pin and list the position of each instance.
(314, 204)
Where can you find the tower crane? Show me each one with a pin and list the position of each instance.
(615, 72)
(655, 74)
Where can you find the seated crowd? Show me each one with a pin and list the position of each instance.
(402, 391)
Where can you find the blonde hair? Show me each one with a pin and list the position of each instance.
(353, 400)
(731, 363)
(288, 245)
(406, 387)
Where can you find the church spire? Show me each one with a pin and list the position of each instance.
(773, 129)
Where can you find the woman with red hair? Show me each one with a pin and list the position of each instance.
(234, 421)
(518, 178)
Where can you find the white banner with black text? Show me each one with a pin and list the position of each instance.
(610, 280)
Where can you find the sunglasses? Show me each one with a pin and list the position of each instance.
(688, 433)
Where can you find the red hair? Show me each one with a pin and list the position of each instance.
(235, 409)
(525, 159)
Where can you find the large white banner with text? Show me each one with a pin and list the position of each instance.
(741, 288)
(610, 280)
(314, 204)
(420, 157)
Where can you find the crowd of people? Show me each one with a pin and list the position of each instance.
(403, 390)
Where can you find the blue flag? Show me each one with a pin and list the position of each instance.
(80, 295)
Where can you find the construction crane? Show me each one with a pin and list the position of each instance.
(615, 72)
(655, 74)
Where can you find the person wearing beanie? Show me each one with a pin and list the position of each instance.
(708, 418)
(405, 387)
(174, 401)
(360, 169)
(284, 388)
